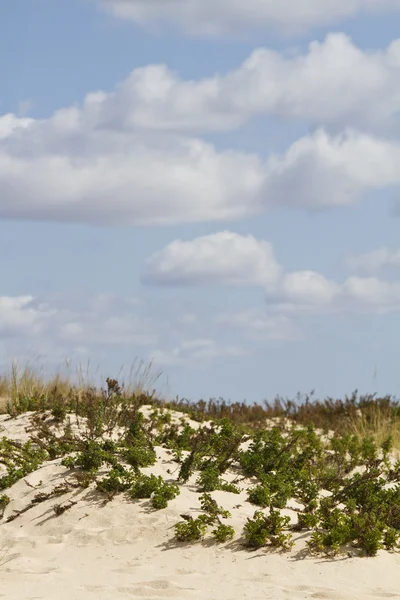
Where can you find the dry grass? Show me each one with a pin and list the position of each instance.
(27, 382)
(3, 404)
(378, 420)
(368, 415)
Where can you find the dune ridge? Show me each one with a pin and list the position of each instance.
(121, 548)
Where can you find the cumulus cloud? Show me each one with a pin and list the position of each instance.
(207, 17)
(66, 170)
(105, 163)
(18, 315)
(318, 86)
(372, 262)
(227, 258)
(58, 170)
(372, 292)
(320, 170)
(10, 123)
(221, 258)
(360, 295)
(308, 287)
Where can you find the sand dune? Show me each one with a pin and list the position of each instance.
(125, 549)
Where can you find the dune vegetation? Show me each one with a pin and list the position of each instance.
(324, 471)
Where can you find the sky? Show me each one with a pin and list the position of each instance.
(212, 187)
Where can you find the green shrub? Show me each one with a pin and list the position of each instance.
(267, 529)
(4, 501)
(223, 533)
(191, 530)
(150, 486)
(211, 508)
(116, 481)
(391, 538)
(94, 456)
(139, 457)
(19, 460)
(209, 481)
(306, 520)
(260, 495)
(286, 461)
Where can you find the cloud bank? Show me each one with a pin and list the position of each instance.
(129, 157)
(57, 170)
(231, 259)
(234, 17)
(317, 86)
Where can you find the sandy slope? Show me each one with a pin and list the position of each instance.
(124, 549)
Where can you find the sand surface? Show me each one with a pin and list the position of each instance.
(124, 549)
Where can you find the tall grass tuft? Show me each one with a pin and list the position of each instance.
(26, 387)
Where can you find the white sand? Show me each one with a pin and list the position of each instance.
(124, 549)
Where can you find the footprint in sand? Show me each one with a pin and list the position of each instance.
(185, 572)
(324, 595)
(320, 593)
(151, 589)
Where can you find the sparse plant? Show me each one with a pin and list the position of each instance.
(223, 533)
(19, 460)
(150, 486)
(195, 529)
(4, 501)
(191, 530)
(260, 495)
(116, 481)
(263, 530)
(209, 480)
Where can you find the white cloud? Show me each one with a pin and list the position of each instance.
(227, 258)
(17, 315)
(315, 295)
(103, 163)
(374, 261)
(55, 170)
(111, 331)
(359, 295)
(221, 258)
(53, 331)
(373, 293)
(258, 325)
(318, 86)
(195, 353)
(61, 169)
(308, 287)
(321, 170)
(26, 316)
(207, 17)
(10, 123)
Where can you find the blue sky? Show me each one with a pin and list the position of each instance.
(211, 186)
